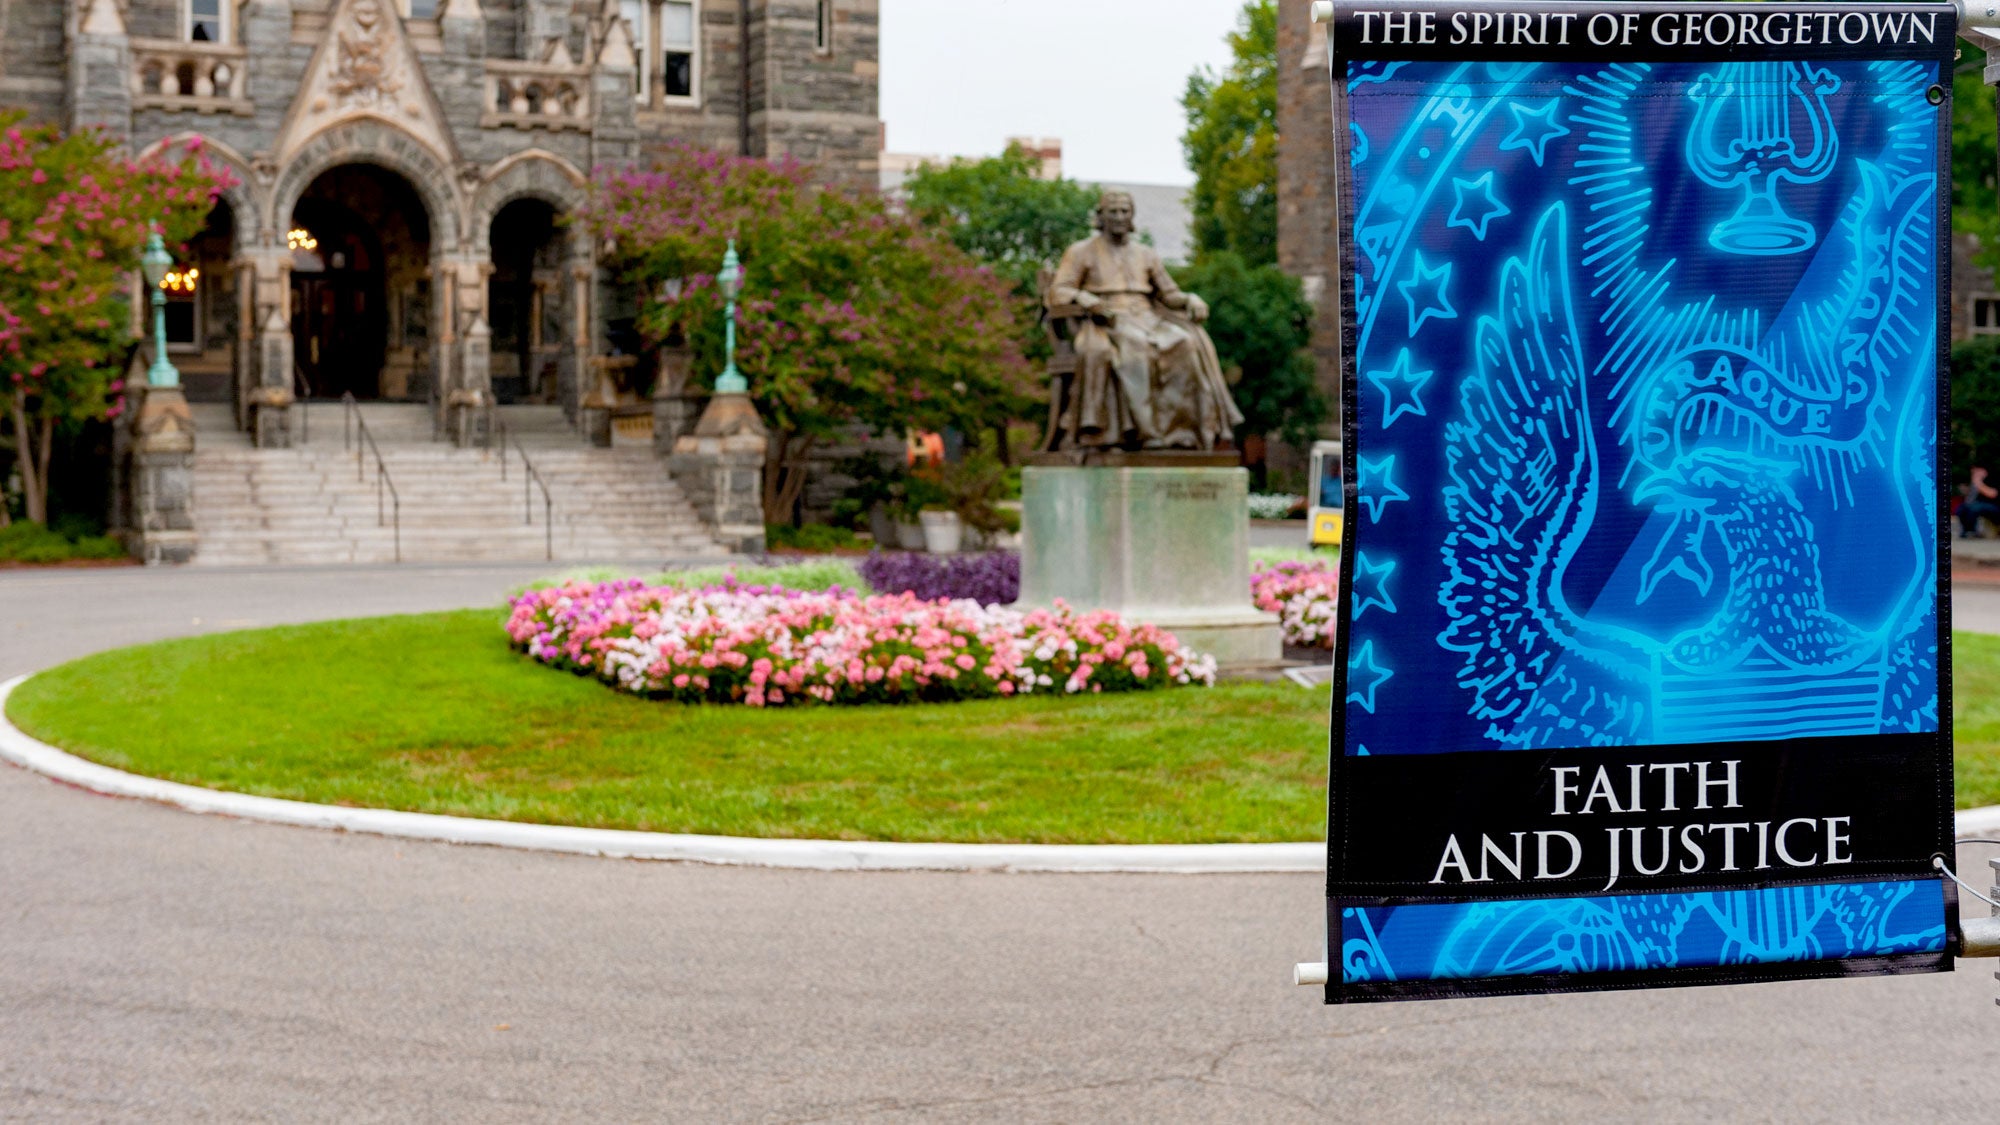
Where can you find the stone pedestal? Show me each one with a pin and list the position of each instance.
(161, 477)
(720, 466)
(1165, 545)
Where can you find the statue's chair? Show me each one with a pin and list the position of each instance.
(1060, 322)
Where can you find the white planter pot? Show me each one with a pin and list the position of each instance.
(942, 532)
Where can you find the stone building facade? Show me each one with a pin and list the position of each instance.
(403, 168)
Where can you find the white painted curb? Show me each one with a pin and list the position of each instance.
(815, 855)
(818, 855)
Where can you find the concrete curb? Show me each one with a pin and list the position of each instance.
(817, 855)
(814, 855)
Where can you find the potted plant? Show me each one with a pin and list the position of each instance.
(928, 497)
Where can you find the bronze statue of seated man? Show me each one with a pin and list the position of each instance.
(1146, 376)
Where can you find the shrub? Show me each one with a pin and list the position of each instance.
(993, 578)
(811, 537)
(767, 646)
(28, 542)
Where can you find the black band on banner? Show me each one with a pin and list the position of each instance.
(1556, 31)
(1479, 825)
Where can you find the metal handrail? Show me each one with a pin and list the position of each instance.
(302, 391)
(351, 423)
(497, 431)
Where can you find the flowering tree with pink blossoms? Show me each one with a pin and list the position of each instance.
(74, 214)
(850, 313)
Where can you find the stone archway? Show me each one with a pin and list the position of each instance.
(361, 297)
(539, 284)
(226, 290)
(453, 310)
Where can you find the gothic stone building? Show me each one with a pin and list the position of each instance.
(403, 167)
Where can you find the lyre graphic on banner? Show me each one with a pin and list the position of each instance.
(1644, 667)
(1744, 136)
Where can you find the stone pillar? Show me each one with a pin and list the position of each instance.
(100, 72)
(270, 403)
(160, 474)
(720, 466)
(468, 406)
(675, 411)
(614, 127)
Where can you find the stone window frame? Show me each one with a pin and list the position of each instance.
(650, 45)
(823, 28)
(1973, 301)
(656, 57)
(226, 16)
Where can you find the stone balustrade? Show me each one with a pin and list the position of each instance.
(190, 77)
(529, 95)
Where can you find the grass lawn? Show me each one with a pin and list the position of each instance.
(434, 713)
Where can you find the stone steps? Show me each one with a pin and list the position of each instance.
(305, 505)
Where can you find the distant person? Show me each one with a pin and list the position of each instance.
(1979, 503)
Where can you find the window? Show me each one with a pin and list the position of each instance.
(679, 49)
(639, 23)
(420, 9)
(1985, 314)
(183, 308)
(823, 28)
(206, 21)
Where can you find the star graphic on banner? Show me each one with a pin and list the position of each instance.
(1371, 585)
(1377, 485)
(1399, 387)
(1430, 284)
(1485, 207)
(1534, 129)
(1361, 665)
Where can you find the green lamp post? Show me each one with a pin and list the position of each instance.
(731, 381)
(153, 264)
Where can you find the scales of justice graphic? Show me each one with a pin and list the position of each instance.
(1643, 362)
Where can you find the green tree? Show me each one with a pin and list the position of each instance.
(1975, 404)
(850, 313)
(73, 216)
(1000, 211)
(1232, 142)
(1261, 323)
(1975, 179)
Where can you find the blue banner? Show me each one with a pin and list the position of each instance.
(1644, 667)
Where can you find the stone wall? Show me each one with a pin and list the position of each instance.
(820, 107)
(32, 65)
(1306, 202)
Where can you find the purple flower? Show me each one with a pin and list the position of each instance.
(993, 578)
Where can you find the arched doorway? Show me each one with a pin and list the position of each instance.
(528, 302)
(360, 241)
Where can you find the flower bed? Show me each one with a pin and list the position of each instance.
(1304, 594)
(993, 578)
(768, 646)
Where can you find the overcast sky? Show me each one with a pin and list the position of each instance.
(1106, 76)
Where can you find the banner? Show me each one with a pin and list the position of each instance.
(1645, 674)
